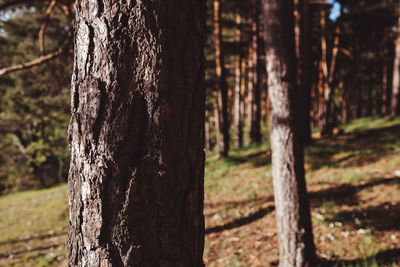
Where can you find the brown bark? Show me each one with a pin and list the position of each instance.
(302, 29)
(207, 132)
(222, 96)
(254, 116)
(394, 106)
(291, 201)
(384, 89)
(137, 134)
(238, 119)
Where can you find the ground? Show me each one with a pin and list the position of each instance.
(353, 180)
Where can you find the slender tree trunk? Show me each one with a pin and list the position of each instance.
(291, 201)
(324, 68)
(243, 91)
(255, 93)
(222, 98)
(250, 90)
(137, 134)
(238, 88)
(302, 30)
(306, 74)
(328, 121)
(207, 132)
(394, 107)
(384, 89)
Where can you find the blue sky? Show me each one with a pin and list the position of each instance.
(335, 11)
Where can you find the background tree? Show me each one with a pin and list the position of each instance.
(296, 244)
(222, 94)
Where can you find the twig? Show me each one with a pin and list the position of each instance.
(30, 64)
(48, 14)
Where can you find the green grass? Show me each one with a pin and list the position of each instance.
(33, 226)
(354, 196)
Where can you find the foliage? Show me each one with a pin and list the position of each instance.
(34, 104)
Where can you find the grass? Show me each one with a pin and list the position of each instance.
(354, 194)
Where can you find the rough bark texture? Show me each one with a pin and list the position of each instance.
(222, 95)
(238, 119)
(394, 107)
(137, 134)
(254, 118)
(292, 208)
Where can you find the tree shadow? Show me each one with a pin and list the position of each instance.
(38, 237)
(363, 148)
(347, 193)
(383, 217)
(241, 221)
(257, 159)
(36, 249)
(383, 258)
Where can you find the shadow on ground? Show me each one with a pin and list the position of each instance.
(389, 257)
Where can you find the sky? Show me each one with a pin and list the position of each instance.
(335, 11)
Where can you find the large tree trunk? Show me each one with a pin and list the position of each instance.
(238, 118)
(394, 107)
(291, 201)
(137, 134)
(222, 96)
(255, 94)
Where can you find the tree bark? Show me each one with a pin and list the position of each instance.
(222, 96)
(238, 88)
(291, 200)
(384, 88)
(255, 94)
(394, 107)
(137, 134)
(302, 29)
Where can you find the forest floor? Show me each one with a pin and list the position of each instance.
(354, 185)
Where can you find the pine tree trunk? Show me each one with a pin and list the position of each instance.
(255, 93)
(394, 107)
(207, 132)
(238, 88)
(291, 200)
(384, 88)
(222, 96)
(137, 134)
(302, 30)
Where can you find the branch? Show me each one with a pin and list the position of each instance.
(48, 14)
(30, 64)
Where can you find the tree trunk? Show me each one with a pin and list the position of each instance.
(328, 120)
(255, 93)
(238, 88)
(137, 134)
(384, 89)
(302, 30)
(207, 132)
(394, 107)
(222, 98)
(291, 201)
